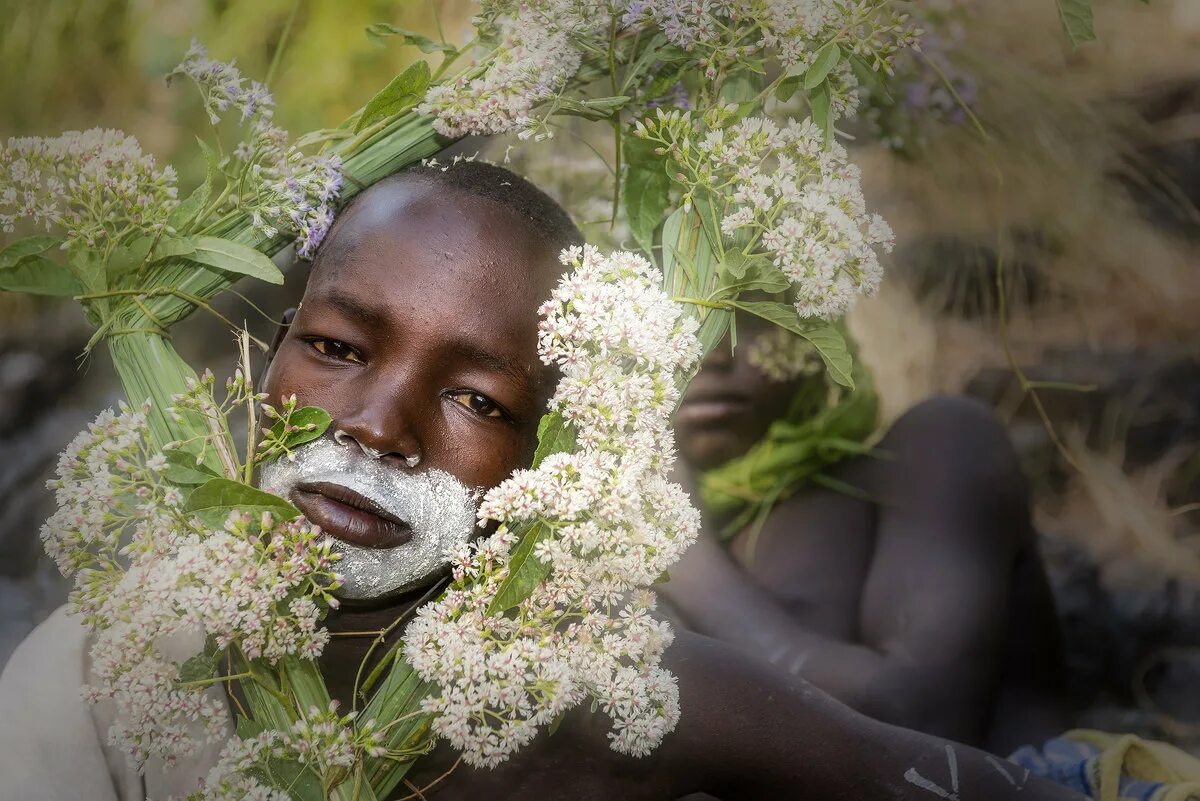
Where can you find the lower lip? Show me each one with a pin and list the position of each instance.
(709, 412)
(349, 524)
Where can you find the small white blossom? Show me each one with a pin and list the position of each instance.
(795, 198)
(783, 356)
(147, 572)
(95, 184)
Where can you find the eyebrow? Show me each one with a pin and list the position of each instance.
(471, 351)
(353, 308)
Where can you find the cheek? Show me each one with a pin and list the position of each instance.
(475, 455)
(293, 374)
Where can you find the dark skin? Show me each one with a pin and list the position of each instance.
(925, 606)
(439, 266)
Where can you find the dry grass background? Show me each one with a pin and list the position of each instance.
(1069, 141)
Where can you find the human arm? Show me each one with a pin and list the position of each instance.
(747, 731)
(934, 604)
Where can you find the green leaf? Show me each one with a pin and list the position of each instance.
(737, 264)
(87, 266)
(820, 103)
(666, 79)
(647, 192)
(405, 91)
(828, 341)
(216, 498)
(203, 665)
(183, 470)
(323, 135)
(170, 247)
(827, 58)
(127, 258)
(647, 55)
(555, 435)
(754, 65)
(758, 274)
(379, 32)
(38, 275)
(740, 88)
(1076, 17)
(301, 419)
(787, 88)
(23, 248)
(525, 571)
(185, 213)
(233, 257)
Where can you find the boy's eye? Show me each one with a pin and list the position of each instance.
(480, 404)
(336, 350)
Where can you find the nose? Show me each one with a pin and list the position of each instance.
(381, 425)
(342, 437)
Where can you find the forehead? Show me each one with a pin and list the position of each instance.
(438, 256)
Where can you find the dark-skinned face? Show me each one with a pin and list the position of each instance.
(418, 332)
(730, 404)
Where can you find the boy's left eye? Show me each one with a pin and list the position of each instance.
(480, 404)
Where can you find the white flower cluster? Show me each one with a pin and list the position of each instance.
(788, 191)
(783, 356)
(96, 184)
(322, 739)
(279, 185)
(543, 43)
(537, 56)
(602, 520)
(149, 575)
(722, 32)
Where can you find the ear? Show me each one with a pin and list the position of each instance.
(284, 324)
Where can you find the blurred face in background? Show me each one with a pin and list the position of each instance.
(731, 403)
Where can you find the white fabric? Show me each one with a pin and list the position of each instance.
(52, 743)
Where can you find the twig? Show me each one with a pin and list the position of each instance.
(1027, 386)
(251, 423)
(281, 45)
(419, 794)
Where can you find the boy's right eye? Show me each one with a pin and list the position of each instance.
(334, 349)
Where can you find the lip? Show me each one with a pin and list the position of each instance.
(710, 409)
(348, 516)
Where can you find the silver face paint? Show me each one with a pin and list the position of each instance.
(438, 508)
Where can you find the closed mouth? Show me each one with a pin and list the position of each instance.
(350, 516)
(711, 408)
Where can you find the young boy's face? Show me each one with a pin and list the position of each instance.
(418, 334)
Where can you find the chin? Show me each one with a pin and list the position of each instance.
(706, 450)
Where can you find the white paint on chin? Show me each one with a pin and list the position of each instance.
(438, 508)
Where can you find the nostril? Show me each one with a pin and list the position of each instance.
(343, 438)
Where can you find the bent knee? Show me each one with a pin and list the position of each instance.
(961, 441)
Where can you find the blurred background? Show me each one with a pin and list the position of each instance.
(1050, 268)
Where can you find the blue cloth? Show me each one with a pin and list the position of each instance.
(1077, 765)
